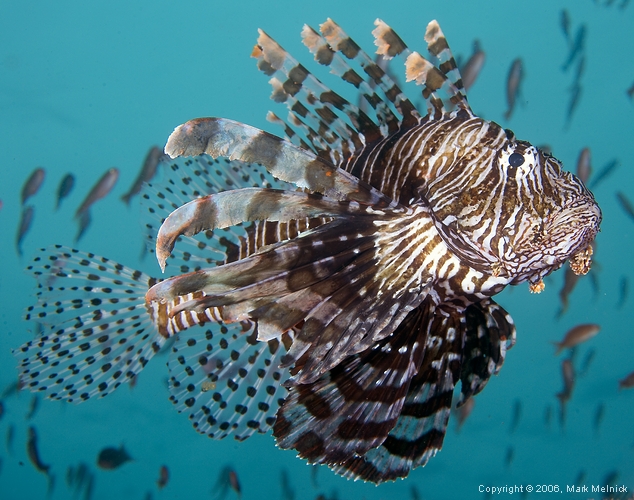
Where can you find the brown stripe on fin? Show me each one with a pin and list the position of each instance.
(438, 46)
(237, 141)
(490, 333)
(420, 429)
(228, 208)
(388, 43)
(339, 41)
(311, 102)
(443, 78)
(351, 408)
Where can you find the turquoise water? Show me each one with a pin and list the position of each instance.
(84, 88)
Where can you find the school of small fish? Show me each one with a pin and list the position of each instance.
(263, 213)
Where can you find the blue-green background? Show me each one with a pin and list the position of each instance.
(85, 86)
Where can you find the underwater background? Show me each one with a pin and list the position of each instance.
(85, 86)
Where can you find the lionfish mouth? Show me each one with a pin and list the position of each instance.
(581, 220)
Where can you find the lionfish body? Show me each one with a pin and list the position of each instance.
(353, 261)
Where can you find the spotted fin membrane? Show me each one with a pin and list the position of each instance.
(98, 333)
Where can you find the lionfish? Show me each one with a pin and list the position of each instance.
(343, 274)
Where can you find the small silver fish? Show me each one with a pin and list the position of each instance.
(148, 170)
(99, 190)
(473, 66)
(513, 83)
(26, 220)
(584, 168)
(65, 187)
(577, 335)
(32, 184)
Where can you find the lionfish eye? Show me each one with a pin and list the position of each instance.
(516, 160)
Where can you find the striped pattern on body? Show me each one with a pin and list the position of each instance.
(344, 273)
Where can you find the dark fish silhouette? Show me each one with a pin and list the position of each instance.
(463, 412)
(33, 452)
(111, 458)
(473, 66)
(148, 170)
(516, 416)
(227, 479)
(288, 493)
(65, 187)
(83, 224)
(548, 415)
(510, 455)
(627, 382)
(584, 167)
(624, 288)
(9, 438)
(26, 219)
(164, 476)
(564, 20)
(604, 173)
(576, 48)
(587, 361)
(234, 482)
(32, 184)
(568, 375)
(577, 335)
(35, 404)
(599, 414)
(575, 98)
(626, 204)
(513, 84)
(103, 186)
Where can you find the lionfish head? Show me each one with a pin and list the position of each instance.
(547, 214)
